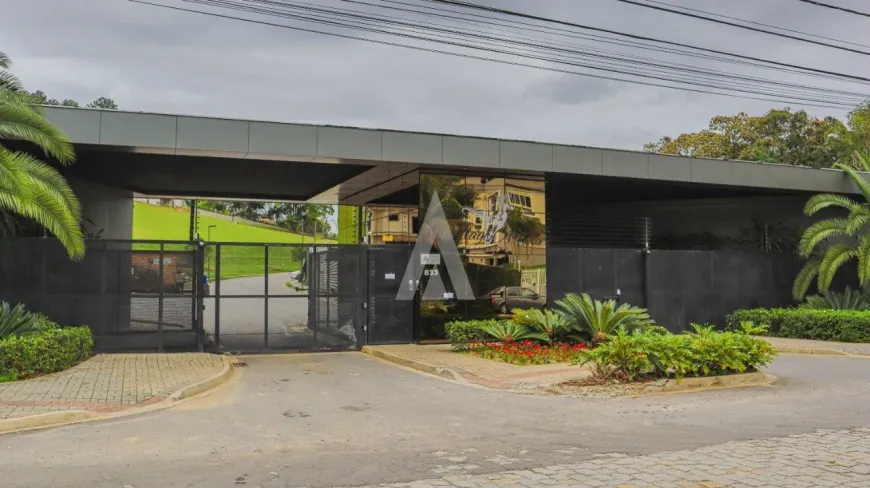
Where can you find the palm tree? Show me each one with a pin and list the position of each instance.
(852, 231)
(29, 187)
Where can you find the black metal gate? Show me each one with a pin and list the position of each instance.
(304, 297)
(390, 321)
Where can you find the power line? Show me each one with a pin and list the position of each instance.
(520, 25)
(483, 58)
(644, 38)
(740, 26)
(722, 16)
(783, 89)
(535, 53)
(836, 7)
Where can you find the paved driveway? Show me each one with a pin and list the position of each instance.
(345, 419)
(242, 320)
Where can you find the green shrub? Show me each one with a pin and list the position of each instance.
(629, 356)
(805, 323)
(461, 332)
(47, 351)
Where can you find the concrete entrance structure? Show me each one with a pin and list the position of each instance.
(181, 155)
(606, 220)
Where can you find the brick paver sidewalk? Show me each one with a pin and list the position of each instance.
(494, 374)
(108, 383)
(823, 458)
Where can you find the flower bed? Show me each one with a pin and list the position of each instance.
(527, 352)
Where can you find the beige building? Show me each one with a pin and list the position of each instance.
(386, 225)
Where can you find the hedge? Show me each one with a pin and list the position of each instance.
(461, 332)
(44, 352)
(801, 323)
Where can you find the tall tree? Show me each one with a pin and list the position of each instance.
(852, 234)
(29, 187)
(104, 103)
(781, 136)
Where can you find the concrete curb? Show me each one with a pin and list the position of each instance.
(757, 378)
(204, 385)
(814, 351)
(412, 363)
(68, 417)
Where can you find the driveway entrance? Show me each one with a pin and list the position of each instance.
(304, 297)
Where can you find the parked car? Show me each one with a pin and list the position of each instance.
(503, 299)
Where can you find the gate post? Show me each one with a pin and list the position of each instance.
(266, 297)
(217, 297)
(646, 260)
(200, 290)
(160, 300)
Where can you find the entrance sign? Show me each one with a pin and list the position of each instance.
(435, 230)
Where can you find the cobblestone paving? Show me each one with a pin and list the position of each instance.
(107, 383)
(820, 459)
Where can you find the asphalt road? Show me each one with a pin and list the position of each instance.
(346, 419)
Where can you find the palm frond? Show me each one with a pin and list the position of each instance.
(834, 258)
(826, 200)
(805, 278)
(858, 218)
(10, 81)
(862, 161)
(863, 252)
(36, 191)
(818, 232)
(862, 183)
(18, 120)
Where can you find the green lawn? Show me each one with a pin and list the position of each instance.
(154, 222)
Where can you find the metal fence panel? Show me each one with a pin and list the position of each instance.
(132, 294)
(684, 287)
(563, 272)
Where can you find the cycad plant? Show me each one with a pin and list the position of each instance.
(851, 231)
(547, 323)
(598, 318)
(16, 321)
(848, 299)
(29, 187)
(508, 331)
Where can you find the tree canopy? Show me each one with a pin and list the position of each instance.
(40, 98)
(779, 136)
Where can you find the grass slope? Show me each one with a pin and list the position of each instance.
(154, 222)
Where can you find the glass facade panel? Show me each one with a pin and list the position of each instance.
(498, 225)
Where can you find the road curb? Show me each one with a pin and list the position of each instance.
(68, 417)
(204, 385)
(757, 378)
(412, 363)
(817, 351)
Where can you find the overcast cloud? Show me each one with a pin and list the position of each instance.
(153, 59)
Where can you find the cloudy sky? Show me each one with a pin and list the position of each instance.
(152, 59)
